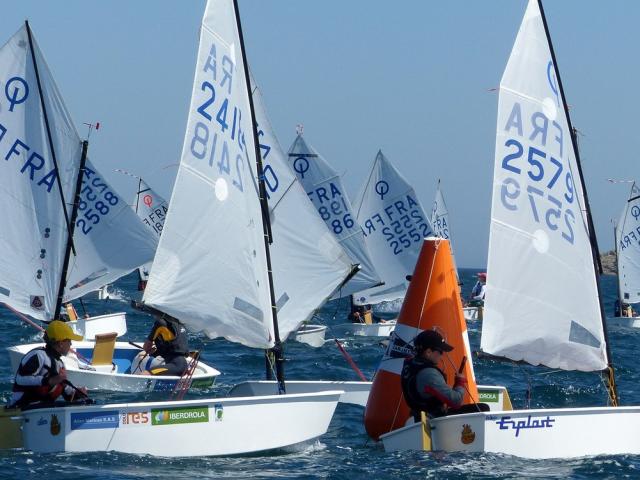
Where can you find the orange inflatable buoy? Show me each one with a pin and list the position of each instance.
(432, 301)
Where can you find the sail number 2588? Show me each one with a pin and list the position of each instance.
(542, 173)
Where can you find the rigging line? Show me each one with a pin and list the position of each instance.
(366, 185)
(466, 386)
(350, 360)
(424, 300)
(26, 320)
(395, 415)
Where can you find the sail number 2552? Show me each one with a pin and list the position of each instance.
(541, 173)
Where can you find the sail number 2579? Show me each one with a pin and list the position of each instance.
(541, 173)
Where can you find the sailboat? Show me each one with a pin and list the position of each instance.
(215, 231)
(539, 224)
(394, 225)
(57, 254)
(310, 264)
(442, 229)
(627, 240)
(325, 189)
(108, 239)
(151, 209)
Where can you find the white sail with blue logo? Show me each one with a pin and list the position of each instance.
(209, 270)
(628, 249)
(35, 232)
(309, 263)
(542, 303)
(151, 209)
(325, 189)
(109, 239)
(394, 225)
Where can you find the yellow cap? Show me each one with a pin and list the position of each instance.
(58, 331)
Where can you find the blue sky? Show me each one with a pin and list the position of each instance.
(412, 78)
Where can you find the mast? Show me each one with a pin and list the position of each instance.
(615, 250)
(74, 214)
(277, 350)
(592, 228)
(70, 224)
(609, 373)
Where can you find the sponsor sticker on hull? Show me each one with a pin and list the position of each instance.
(507, 423)
(172, 416)
(94, 420)
(134, 418)
(489, 396)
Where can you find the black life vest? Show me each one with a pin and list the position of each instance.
(40, 393)
(412, 366)
(169, 348)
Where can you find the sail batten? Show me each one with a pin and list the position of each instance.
(542, 301)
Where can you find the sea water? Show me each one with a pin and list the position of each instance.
(345, 451)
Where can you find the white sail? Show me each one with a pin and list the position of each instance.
(109, 239)
(210, 267)
(394, 225)
(440, 222)
(308, 262)
(324, 187)
(542, 301)
(151, 209)
(628, 249)
(440, 216)
(35, 232)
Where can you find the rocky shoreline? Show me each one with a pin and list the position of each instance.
(608, 260)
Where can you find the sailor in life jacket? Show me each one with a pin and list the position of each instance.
(41, 376)
(167, 346)
(623, 310)
(425, 386)
(477, 292)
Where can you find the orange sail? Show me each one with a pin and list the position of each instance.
(432, 301)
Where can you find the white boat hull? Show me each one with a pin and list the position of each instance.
(312, 335)
(629, 322)
(226, 426)
(115, 377)
(543, 433)
(367, 329)
(92, 326)
(355, 392)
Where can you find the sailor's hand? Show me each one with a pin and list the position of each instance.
(461, 380)
(147, 346)
(57, 379)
